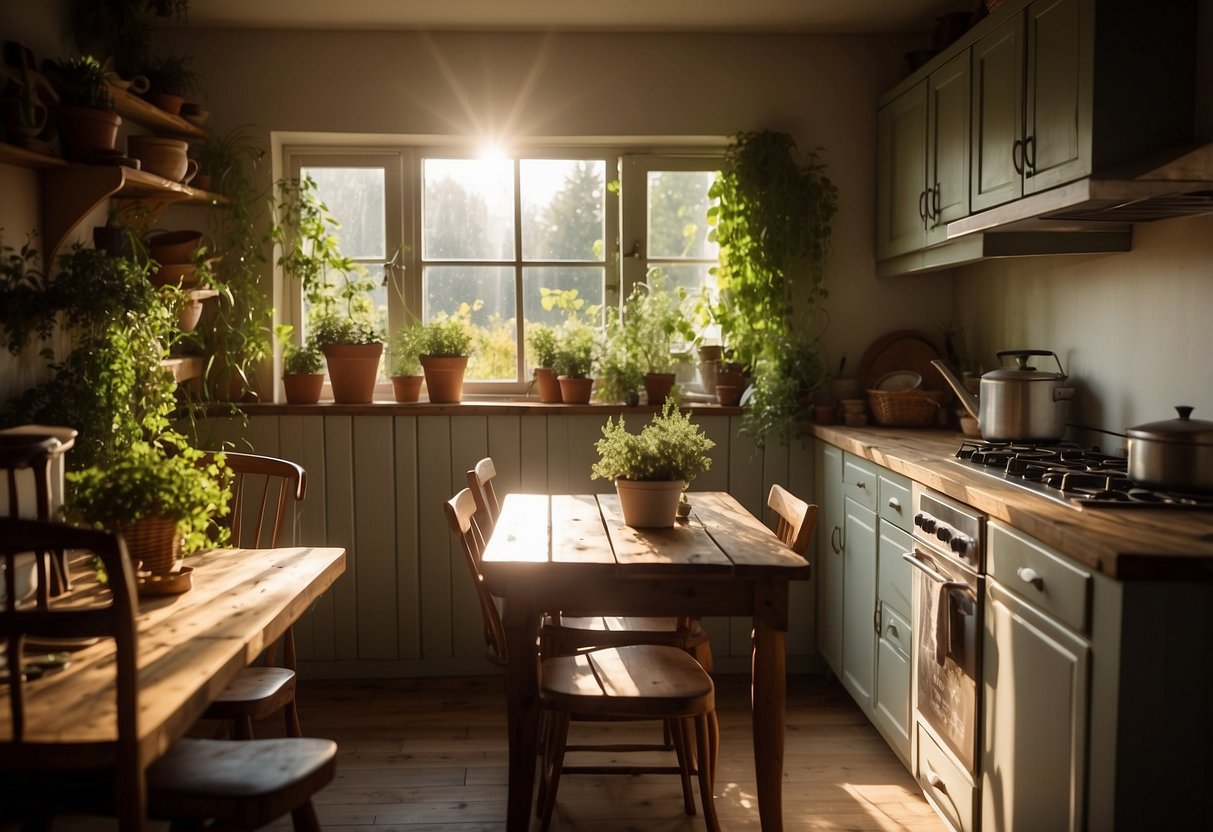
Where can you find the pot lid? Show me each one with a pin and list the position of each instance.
(1023, 370)
(1184, 429)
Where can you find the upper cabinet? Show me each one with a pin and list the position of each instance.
(1039, 95)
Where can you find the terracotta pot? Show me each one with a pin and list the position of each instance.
(303, 388)
(202, 181)
(575, 390)
(166, 101)
(728, 394)
(85, 132)
(730, 374)
(407, 388)
(155, 542)
(444, 377)
(353, 371)
(163, 157)
(548, 385)
(657, 387)
(649, 504)
(172, 247)
(190, 314)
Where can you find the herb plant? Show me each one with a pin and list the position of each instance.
(172, 75)
(81, 82)
(446, 337)
(575, 351)
(544, 344)
(669, 447)
(654, 320)
(405, 350)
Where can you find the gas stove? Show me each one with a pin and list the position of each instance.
(1073, 475)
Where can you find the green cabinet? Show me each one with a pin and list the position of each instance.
(830, 522)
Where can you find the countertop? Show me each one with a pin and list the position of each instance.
(1126, 544)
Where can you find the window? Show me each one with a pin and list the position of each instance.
(512, 242)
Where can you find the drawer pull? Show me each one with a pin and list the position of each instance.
(935, 781)
(861, 485)
(1030, 576)
(892, 630)
(836, 540)
(894, 504)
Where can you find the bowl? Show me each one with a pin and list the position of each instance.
(176, 274)
(172, 247)
(898, 381)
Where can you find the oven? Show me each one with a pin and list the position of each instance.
(948, 585)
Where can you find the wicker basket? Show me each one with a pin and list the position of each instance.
(905, 408)
(154, 543)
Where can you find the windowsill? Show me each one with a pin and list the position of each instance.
(473, 405)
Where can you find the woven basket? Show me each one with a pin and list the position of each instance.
(905, 408)
(154, 542)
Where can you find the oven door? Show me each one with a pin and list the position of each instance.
(948, 640)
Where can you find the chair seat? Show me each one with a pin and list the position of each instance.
(249, 783)
(647, 681)
(256, 692)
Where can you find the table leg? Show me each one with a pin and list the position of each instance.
(769, 696)
(522, 694)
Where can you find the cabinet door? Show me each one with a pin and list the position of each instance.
(829, 556)
(948, 144)
(1035, 684)
(891, 698)
(901, 174)
(997, 116)
(1058, 112)
(859, 602)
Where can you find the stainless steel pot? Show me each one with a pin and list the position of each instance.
(1017, 404)
(1174, 454)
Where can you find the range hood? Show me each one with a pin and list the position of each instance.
(1175, 183)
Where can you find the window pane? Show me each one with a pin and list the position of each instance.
(564, 291)
(485, 294)
(563, 209)
(467, 211)
(678, 215)
(354, 197)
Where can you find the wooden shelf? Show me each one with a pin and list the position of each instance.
(135, 109)
(11, 154)
(183, 367)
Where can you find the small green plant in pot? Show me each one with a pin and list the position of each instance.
(163, 496)
(445, 346)
(654, 321)
(574, 361)
(302, 368)
(651, 469)
(88, 124)
(404, 355)
(171, 81)
(544, 344)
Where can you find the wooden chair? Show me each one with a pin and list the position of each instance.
(263, 489)
(562, 635)
(630, 682)
(248, 784)
(34, 452)
(796, 518)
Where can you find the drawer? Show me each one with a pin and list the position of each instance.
(945, 784)
(895, 505)
(860, 480)
(893, 573)
(895, 629)
(1045, 579)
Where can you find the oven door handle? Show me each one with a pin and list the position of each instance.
(912, 559)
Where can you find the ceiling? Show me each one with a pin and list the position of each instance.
(831, 16)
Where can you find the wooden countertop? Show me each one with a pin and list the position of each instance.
(1127, 544)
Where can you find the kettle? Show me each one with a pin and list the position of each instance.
(1017, 404)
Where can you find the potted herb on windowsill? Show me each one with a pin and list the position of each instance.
(544, 345)
(574, 361)
(652, 469)
(88, 124)
(302, 369)
(653, 321)
(352, 349)
(404, 354)
(445, 346)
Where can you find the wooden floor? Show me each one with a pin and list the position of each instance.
(430, 754)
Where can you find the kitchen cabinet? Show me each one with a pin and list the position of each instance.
(923, 160)
(864, 610)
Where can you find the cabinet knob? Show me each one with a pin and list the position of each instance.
(861, 485)
(894, 504)
(936, 782)
(1030, 576)
(892, 630)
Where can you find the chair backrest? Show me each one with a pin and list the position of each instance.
(33, 453)
(796, 518)
(460, 516)
(263, 487)
(488, 508)
(111, 616)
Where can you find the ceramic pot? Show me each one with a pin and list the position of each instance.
(190, 314)
(166, 101)
(444, 377)
(353, 370)
(303, 388)
(407, 388)
(575, 390)
(657, 387)
(163, 157)
(649, 504)
(728, 394)
(85, 132)
(154, 542)
(172, 247)
(548, 386)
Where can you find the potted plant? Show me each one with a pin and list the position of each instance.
(772, 214)
(170, 82)
(653, 321)
(574, 361)
(88, 124)
(544, 344)
(302, 368)
(405, 362)
(352, 347)
(162, 496)
(652, 469)
(445, 346)
(619, 376)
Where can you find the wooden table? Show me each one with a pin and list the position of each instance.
(190, 647)
(574, 554)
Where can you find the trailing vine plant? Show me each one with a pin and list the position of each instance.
(771, 218)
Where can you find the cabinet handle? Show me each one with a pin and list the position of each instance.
(922, 207)
(894, 504)
(1017, 156)
(935, 781)
(836, 540)
(1030, 576)
(876, 619)
(892, 629)
(861, 485)
(1029, 156)
(935, 209)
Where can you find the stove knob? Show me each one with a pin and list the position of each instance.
(944, 534)
(919, 518)
(959, 544)
(927, 524)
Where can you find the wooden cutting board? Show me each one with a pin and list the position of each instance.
(905, 349)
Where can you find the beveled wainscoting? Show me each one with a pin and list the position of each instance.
(376, 484)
